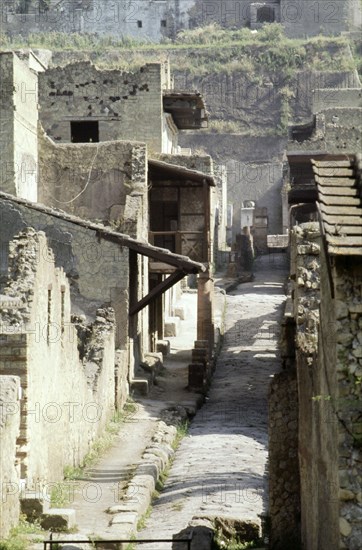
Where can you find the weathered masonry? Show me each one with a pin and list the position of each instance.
(318, 496)
(19, 121)
(91, 271)
(86, 113)
(157, 19)
(73, 321)
(82, 104)
(335, 128)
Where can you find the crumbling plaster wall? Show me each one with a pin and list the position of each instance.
(67, 373)
(128, 106)
(97, 270)
(105, 182)
(165, 18)
(9, 432)
(18, 127)
(117, 18)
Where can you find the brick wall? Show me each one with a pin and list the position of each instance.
(127, 106)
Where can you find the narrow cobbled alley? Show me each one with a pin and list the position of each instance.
(220, 468)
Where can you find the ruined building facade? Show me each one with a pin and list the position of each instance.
(156, 19)
(83, 157)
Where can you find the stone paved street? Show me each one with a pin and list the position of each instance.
(220, 468)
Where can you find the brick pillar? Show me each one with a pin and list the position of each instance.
(205, 310)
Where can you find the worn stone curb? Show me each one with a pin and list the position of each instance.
(138, 497)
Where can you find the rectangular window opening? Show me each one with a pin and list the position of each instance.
(163, 23)
(139, 24)
(84, 131)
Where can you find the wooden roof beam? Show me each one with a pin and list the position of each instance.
(157, 291)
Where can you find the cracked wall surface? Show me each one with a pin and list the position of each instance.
(9, 468)
(155, 20)
(18, 126)
(340, 356)
(97, 270)
(327, 310)
(104, 182)
(66, 365)
(120, 101)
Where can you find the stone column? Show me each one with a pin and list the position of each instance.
(205, 309)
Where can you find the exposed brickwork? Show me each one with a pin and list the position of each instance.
(66, 369)
(119, 101)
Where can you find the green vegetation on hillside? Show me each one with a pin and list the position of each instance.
(213, 49)
(207, 56)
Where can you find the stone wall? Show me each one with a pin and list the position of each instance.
(66, 366)
(284, 486)
(229, 13)
(104, 182)
(97, 270)
(137, 19)
(315, 89)
(303, 19)
(331, 98)
(250, 176)
(329, 366)
(18, 127)
(156, 19)
(298, 17)
(9, 432)
(317, 455)
(118, 102)
(327, 309)
(341, 359)
(337, 131)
